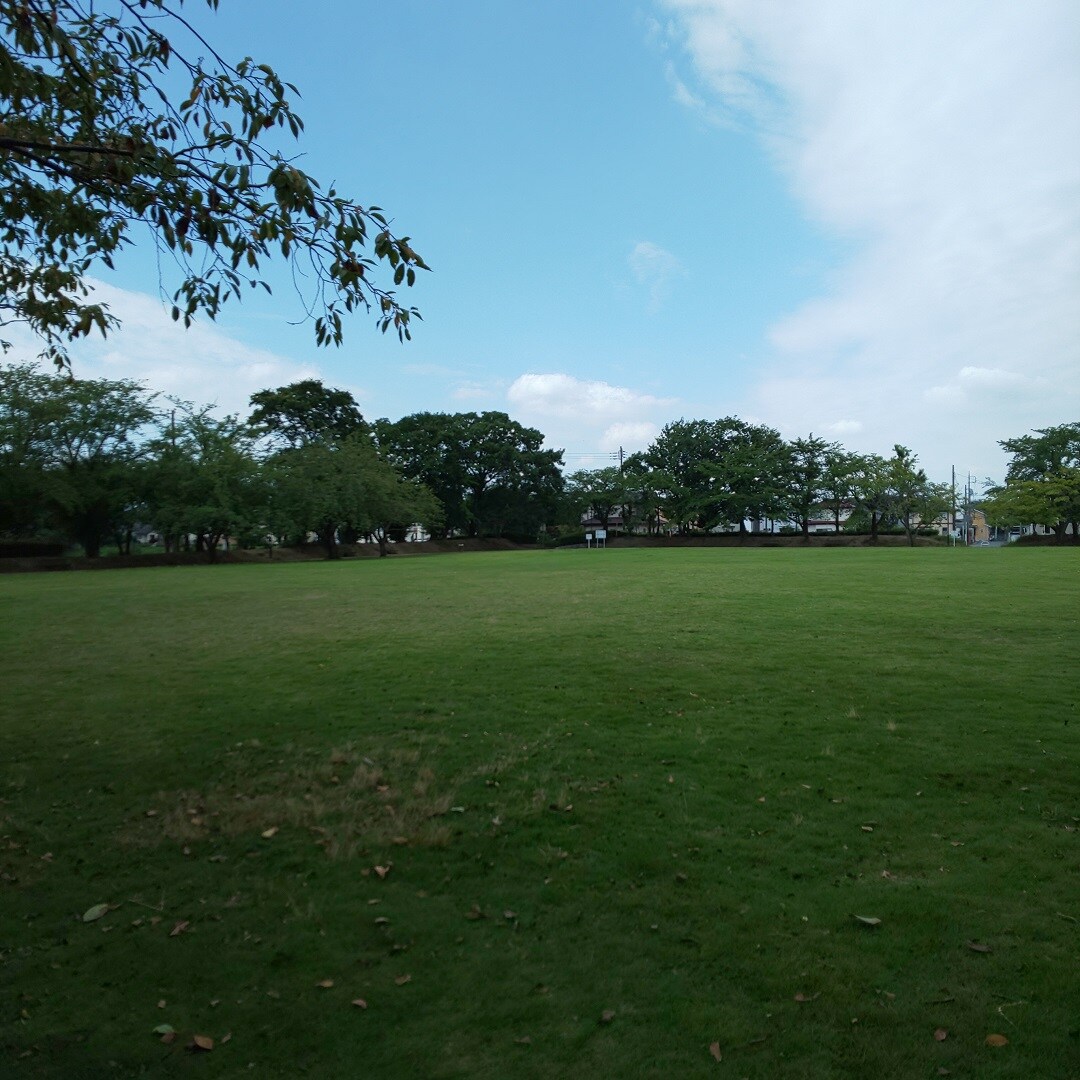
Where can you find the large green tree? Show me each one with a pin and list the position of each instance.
(491, 474)
(603, 493)
(304, 412)
(70, 451)
(808, 478)
(915, 501)
(871, 487)
(29, 408)
(330, 487)
(719, 472)
(1042, 483)
(202, 479)
(118, 113)
(838, 483)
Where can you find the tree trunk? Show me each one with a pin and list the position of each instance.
(873, 526)
(328, 534)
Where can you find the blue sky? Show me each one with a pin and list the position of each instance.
(861, 220)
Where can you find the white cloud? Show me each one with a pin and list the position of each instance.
(630, 434)
(656, 269)
(942, 141)
(839, 428)
(200, 364)
(981, 385)
(587, 415)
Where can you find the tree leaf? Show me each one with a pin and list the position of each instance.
(867, 920)
(360, 1003)
(325, 984)
(714, 1049)
(202, 1042)
(996, 1040)
(941, 1034)
(179, 928)
(95, 913)
(607, 1016)
(164, 1029)
(268, 833)
(401, 980)
(976, 946)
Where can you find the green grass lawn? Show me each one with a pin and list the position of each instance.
(547, 814)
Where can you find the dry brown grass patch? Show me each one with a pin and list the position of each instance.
(347, 801)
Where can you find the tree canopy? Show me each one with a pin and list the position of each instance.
(490, 473)
(1042, 484)
(115, 113)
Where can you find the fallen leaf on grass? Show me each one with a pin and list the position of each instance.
(714, 1049)
(800, 996)
(382, 920)
(976, 946)
(941, 1034)
(382, 871)
(360, 1003)
(867, 920)
(325, 984)
(996, 1040)
(161, 1004)
(508, 914)
(179, 928)
(95, 913)
(169, 1038)
(164, 1029)
(607, 1016)
(201, 1042)
(269, 833)
(474, 913)
(401, 980)
(226, 1037)
(525, 1040)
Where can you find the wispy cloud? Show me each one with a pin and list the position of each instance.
(655, 269)
(202, 364)
(588, 415)
(942, 141)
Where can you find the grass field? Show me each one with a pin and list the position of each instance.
(546, 814)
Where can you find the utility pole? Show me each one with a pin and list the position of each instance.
(952, 522)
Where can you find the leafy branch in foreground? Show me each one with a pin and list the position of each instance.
(94, 139)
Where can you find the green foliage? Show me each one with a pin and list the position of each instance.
(809, 478)
(719, 472)
(1042, 485)
(871, 488)
(119, 113)
(201, 477)
(305, 412)
(915, 501)
(68, 453)
(490, 474)
(601, 493)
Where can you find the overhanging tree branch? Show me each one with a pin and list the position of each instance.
(91, 143)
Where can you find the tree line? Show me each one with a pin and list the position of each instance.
(703, 475)
(90, 461)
